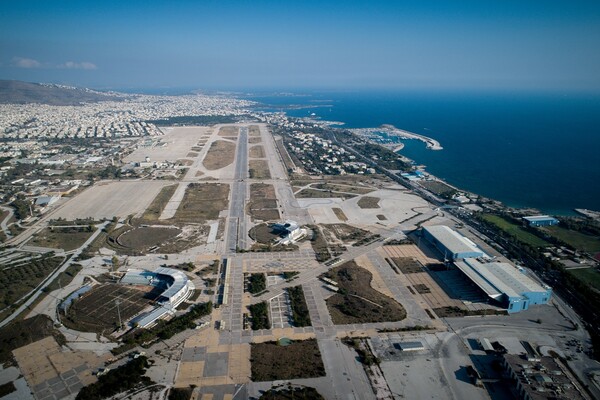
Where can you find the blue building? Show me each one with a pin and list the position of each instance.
(505, 284)
(541, 220)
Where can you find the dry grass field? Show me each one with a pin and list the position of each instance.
(262, 204)
(253, 130)
(158, 204)
(340, 214)
(259, 169)
(257, 152)
(203, 201)
(368, 202)
(300, 359)
(229, 131)
(146, 237)
(357, 302)
(254, 140)
(219, 155)
(61, 238)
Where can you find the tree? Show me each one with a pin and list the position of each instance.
(115, 263)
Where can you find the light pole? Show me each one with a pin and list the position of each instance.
(117, 302)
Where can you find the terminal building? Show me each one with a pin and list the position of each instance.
(175, 285)
(501, 282)
(541, 220)
(451, 244)
(289, 231)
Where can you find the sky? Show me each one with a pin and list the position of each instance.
(232, 45)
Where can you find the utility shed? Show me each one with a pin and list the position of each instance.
(410, 346)
(450, 243)
(505, 284)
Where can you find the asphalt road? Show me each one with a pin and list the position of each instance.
(236, 226)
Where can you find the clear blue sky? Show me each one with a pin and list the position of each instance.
(224, 44)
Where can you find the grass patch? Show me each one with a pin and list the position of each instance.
(300, 359)
(145, 237)
(263, 204)
(291, 393)
(299, 306)
(352, 188)
(259, 316)
(439, 188)
(219, 155)
(443, 312)
(407, 265)
(357, 301)
(577, 240)
(203, 201)
(259, 169)
(263, 234)
(68, 238)
(20, 333)
(158, 204)
(254, 140)
(339, 213)
(589, 276)
(321, 194)
(368, 202)
(515, 230)
(257, 152)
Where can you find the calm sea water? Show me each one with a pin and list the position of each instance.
(526, 150)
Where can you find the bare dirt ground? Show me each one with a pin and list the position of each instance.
(110, 199)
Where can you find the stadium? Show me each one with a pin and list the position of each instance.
(176, 288)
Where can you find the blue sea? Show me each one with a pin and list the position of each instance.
(537, 150)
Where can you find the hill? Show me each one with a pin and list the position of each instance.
(18, 92)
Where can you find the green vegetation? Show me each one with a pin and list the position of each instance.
(299, 306)
(575, 239)
(181, 393)
(439, 188)
(319, 244)
(589, 276)
(259, 316)
(516, 231)
(288, 275)
(291, 393)
(365, 356)
(257, 283)
(7, 389)
(67, 238)
(125, 377)
(165, 330)
(21, 207)
(384, 157)
(272, 362)
(23, 332)
(16, 282)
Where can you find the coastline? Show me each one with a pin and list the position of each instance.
(391, 130)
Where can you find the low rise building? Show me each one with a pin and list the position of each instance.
(541, 220)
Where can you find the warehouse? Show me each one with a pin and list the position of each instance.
(505, 284)
(451, 244)
(541, 220)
